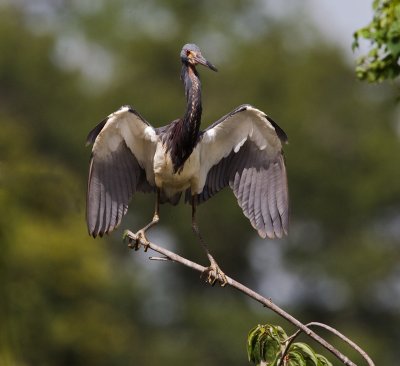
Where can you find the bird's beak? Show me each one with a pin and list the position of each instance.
(202, 61)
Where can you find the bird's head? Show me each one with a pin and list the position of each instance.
(191, 55)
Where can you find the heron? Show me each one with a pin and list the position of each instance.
(242, 150)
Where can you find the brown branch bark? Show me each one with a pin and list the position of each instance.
(135, 242)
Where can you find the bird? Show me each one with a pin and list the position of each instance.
(242, 150)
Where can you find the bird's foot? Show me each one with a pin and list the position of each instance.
(135, 241)
(214, 274)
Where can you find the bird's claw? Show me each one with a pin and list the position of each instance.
(214, 274)
(135, 241)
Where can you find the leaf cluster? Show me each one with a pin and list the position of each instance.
(382, 61)
(266, 345)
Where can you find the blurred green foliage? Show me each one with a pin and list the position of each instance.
(66, 299)
(382, 61)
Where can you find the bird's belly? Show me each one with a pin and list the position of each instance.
(171, 182)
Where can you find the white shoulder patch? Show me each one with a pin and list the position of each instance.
(263, 117)
(255, 110)
(150, 134)
(239, 145)
(113, 141)
(123, 109)
(209, 135)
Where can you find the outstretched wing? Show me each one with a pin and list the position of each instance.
(244, 150)
(121, 164)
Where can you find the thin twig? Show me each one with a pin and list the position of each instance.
(254, 295)
(345, 339)
(290, 340)
(159, 259)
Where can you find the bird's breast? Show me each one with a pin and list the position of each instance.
(171, 182)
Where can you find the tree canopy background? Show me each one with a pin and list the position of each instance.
(382, 60)
(66, 299)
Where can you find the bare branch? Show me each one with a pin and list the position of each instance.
(135, 242)
(345, 339)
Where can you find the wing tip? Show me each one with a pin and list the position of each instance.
(99, 233)
(92, 233)
(262, 233)
(95, 233)
(276, 234)
(279, 131)
(92, 135)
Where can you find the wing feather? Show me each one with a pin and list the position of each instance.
(272, 207)
(268, 228)
(122, 158)
(102, 200)
(282, 193)
(241, 187)
(121, 189)
(259, 224)
(246, 192)
(214, 177)
(252, 197)
(94, 195)
(222, 175)
(244, 150)
(114, 187)
(125, 186)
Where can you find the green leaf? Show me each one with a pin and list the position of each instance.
(375, 4)
(295, 358)
(394, 47)
(364, 33)
(373, 53)
(307, 352)
(355, 44)
(264, 343)
(323, 361)
(251, 343)
(278, 333)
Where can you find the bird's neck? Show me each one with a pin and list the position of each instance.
(192, 118)
(184, 134)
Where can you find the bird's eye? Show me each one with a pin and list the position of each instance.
(188, 53)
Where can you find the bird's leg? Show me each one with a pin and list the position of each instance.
(138, 239)
(213, 273)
